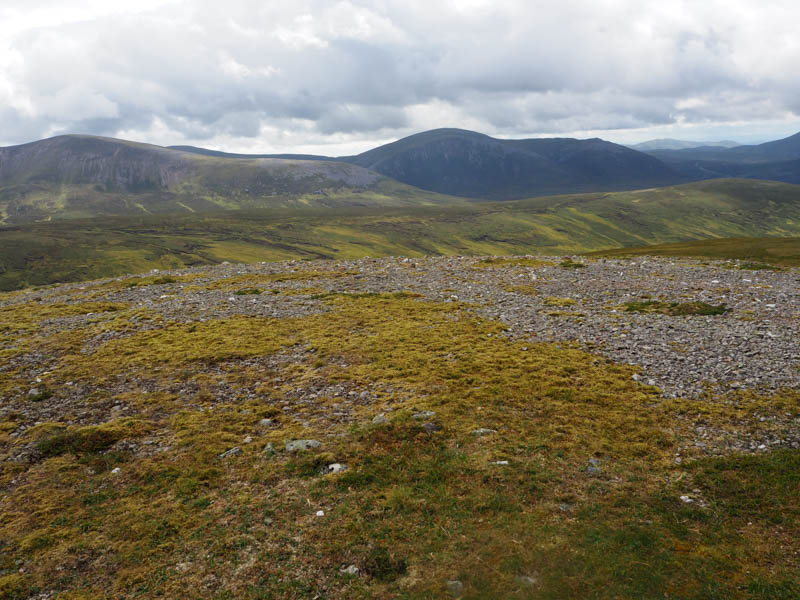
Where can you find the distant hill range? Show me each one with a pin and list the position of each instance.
(474, 165)
(778, 160)
(670, 144)
(77, 176)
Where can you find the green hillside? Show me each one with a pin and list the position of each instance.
(775, 252)
(42, 253)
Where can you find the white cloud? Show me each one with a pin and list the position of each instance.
(340, 76)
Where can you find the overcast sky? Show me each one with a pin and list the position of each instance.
(339, 77)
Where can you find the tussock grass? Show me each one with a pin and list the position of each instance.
(415, 508)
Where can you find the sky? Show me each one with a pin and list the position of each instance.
(339, 77)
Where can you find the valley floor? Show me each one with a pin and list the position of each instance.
(522, 427)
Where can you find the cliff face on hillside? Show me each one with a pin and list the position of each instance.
(74, 176)
(114, 165)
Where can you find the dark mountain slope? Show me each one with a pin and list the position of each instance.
(465, 163)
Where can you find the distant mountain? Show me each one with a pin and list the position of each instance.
(220, 154)
(778, 150)
(85, 176)
(473, 165)
(466, 163)
(671, 144)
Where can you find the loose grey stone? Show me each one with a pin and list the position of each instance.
(456, 588)
(269, 448)
(265, 422)
(483, 431)
(232, 452)
(525, 581)
(380, 419)
(299, 445)
(350, 570)
(425, 414)
(431, 427)
(334, 468)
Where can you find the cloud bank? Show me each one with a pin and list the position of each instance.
(319, 75)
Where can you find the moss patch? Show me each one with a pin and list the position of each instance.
(676, 309)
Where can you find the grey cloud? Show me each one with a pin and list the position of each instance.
(229, 71)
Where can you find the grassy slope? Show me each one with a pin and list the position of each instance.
(772, 251)
(414, 510)
(75, 250)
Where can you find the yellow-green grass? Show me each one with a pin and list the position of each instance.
(39, 254)
(754, 253)
(415, 509)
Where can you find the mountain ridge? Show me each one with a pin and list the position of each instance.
(470, 164)
(85, 176)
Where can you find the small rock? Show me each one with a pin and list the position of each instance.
(183, 567)
(431, 427)
(334, 468)
(525, 581)
(320, 513)
(269, 448)
(456, 588)
(298, 445)
(248, 439)
(483, 431)
(265, 422)
(686, 499)
(232, 452)
(380, 419)
(593, 466)
(565, 507)
(116, 470)
(350, 570)
(500, 462)
(425, 414)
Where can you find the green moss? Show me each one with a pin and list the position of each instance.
(555, 301)
(84, 440)
(571, 264)
(676, 309)
(513, 262)
(13, 587)
(248, 292)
